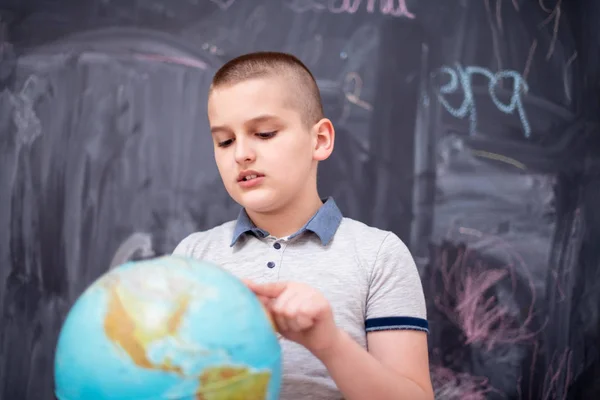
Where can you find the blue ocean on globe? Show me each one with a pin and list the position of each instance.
(167, 328)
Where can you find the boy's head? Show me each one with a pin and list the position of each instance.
(266, 119)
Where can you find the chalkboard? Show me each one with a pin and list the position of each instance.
(469, 128)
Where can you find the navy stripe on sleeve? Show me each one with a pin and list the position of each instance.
(396, 323)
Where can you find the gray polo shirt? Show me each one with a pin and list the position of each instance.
(367, 274)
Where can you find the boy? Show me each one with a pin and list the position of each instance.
(335, 287)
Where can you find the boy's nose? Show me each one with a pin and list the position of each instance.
(244, 153)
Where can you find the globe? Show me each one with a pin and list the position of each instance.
(167, 328)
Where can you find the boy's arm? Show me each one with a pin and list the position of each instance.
(396, 366)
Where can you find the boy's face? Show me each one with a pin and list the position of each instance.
(257, 129)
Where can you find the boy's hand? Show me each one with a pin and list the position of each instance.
(302, 314)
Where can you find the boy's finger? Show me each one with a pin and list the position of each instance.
(302, 322)
(281, 323)
(268, 289)
(248, 282)
(264, 299)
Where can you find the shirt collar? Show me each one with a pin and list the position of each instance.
(324, 224)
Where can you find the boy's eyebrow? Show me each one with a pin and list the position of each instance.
(217, 129)
(263, 118)
(258, 119)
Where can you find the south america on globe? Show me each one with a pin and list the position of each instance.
(167, 328)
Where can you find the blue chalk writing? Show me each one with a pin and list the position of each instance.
(462, 75)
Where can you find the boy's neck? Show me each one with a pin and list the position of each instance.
(288, 220)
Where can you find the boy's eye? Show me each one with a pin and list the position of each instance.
(225, 143)
(266, 135)
(262, 135)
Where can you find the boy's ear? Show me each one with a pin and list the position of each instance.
(324, 135)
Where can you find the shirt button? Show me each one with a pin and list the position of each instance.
(271, 264)
(277, 246)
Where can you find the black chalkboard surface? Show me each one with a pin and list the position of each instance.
(469, 128)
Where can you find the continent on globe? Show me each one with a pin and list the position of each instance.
(228, 383)
(144, 314)
(168, 328)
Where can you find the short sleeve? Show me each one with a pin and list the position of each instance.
(395, 299)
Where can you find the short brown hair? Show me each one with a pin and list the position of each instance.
(306, 93)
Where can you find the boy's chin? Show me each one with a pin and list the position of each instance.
(258, 202)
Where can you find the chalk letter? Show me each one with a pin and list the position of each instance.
(401, 10)
(467, 106)
(515, 100)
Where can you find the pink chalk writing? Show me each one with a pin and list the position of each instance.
(464, 294)
(452, 385)
(394, 8)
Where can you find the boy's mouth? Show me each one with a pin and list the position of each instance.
(248, 176)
